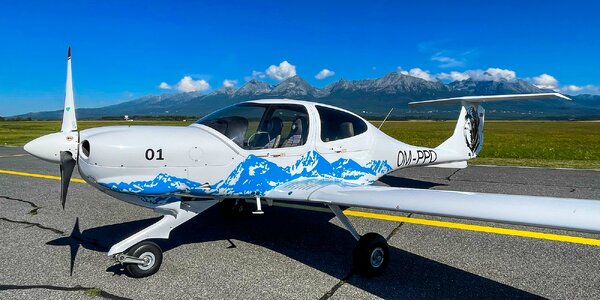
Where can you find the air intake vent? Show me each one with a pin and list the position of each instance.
(85, 148)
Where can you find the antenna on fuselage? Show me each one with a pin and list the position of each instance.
(386, 117)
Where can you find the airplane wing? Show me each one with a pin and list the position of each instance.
(563, 213)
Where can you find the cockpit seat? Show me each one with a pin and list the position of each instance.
(236, 129)
(274, 127)
(297, 135)
(346, 130)
(233, 127)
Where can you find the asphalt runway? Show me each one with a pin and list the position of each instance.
(287, 253)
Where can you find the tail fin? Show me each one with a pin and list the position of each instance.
(467, 139)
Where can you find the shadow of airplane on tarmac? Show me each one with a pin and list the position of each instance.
(307, 237)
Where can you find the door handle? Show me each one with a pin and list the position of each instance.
(338, 150)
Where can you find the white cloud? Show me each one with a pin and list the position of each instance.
(571, 88)
(283, 71)
(453, 76)
(584, 89)
(494, 74)
(255, 75)
(419, 73)
(545, 81)
(324, 74)
(187, 84)
(447, 61)
(258, 74)
(591, 89)
(230, 83)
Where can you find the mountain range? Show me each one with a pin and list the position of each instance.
(371, 98)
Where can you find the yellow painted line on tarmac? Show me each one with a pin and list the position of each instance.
(478, 228)
(417, 221)
(9, 172)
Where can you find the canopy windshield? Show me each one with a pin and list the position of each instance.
(261, 126)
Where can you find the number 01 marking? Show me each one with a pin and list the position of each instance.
(150, 154)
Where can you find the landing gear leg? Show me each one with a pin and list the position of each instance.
(258, 210)
(232, 207)
(144, 257)
(371, 253)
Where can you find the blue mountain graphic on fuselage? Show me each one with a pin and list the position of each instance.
(255, 176)
(160, 185)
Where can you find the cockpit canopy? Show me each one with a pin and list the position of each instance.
(261, 126)
(255, 126)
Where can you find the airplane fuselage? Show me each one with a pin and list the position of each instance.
(154, 165)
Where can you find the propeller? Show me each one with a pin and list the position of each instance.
(67, 165)
(69, 124)
(61, 147)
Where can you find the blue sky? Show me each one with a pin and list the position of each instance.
(123, 50)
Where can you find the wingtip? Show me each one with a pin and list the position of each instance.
(559, 95)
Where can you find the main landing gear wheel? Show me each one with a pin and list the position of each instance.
(371, 255)
(232, 207)
(152, 256)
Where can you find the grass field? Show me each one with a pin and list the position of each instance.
(18, 133)
(518, 143)
(560, 144)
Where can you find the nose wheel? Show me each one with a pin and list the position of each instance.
(142, 260)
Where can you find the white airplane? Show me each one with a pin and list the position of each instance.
(285, 150)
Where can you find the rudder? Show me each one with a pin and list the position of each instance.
(467, 138)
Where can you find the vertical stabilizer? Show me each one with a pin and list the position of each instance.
(467, 138)
(69, 122)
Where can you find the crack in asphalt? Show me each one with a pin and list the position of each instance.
(101, 293)
(338, 285)
(32, 224)
(74, 235)
(395, 230)
(74, 240)
(449, 178)
(35, 209)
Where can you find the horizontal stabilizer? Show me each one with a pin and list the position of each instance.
(452, 165)
(492, 98)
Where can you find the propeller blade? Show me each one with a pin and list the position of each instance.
(67, 165)
(69, 121)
